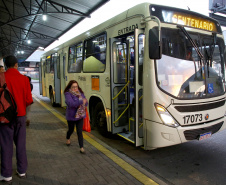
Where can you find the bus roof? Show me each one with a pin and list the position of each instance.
(165, 14)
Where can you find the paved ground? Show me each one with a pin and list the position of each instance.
(51, 162)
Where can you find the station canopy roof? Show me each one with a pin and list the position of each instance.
(23, 29)
(218, 10)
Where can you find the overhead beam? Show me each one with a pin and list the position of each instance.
(18, 44)
(66, 9)
(221, 19)
(62, 9)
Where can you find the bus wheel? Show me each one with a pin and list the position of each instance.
(100, 119)
(52, 98)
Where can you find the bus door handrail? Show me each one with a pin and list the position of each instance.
(121, 91)
(127, 105)
(121, 114)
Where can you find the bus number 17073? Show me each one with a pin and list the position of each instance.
(192, 118)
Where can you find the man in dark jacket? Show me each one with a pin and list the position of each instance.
(20, 89)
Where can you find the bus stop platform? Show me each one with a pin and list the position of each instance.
(52, 162)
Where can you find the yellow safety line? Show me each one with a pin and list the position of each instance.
(123, 164)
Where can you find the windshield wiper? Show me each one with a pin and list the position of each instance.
(192, 42)
(209, 53)
(197, 51)
(211, 49)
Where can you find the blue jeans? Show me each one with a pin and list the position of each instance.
(15, 131)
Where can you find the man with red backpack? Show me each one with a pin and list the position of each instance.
(20, 89)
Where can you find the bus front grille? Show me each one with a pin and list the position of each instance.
(197, 108)
(195, 133)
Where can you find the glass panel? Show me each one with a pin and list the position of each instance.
(71, 59)
(95, 54)
(52, 61)
(214, 66)
(120, 104)
(130, 41)
(180, 71)
(48, 65)
(44, 68)
(140, 113)
(141, 40)
(75, 58)
(58, 67)
(120, 62)
(64, 66)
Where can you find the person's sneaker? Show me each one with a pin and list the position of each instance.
(82, 151)
(68, 142)
(21, 174)
(7, 179)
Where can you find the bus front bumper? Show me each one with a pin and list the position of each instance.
(158, 135)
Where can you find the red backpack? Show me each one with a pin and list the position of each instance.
(8, 108)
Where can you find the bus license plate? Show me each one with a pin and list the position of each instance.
(205, 136)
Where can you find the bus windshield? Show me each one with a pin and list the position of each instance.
(182, 73)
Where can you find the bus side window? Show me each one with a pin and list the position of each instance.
(95, 54)
(48, 65)
(52, 60)
(75, 59)
(44, 69)
(71, 60)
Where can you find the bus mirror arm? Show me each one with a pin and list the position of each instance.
(155, 19)
(155, 44)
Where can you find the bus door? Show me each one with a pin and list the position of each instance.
(139, 39)
(62, 78)
(119, 86)
(57, 78)
(40, 78)
(44, 78)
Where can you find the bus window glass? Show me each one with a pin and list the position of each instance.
(140, 114)
(58, 67)
(48, 65)
(75, 59)
(44, 68)
(64, 66)
(120, 62)
(52, 60)
(141, 39)
(95, 54)
(130, 42)
(181, 72)
(120, 105)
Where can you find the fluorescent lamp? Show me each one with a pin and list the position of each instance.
(44, 17)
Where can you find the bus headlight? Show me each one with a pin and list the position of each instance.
(165, 116)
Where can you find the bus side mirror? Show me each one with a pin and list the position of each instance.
(155, 49)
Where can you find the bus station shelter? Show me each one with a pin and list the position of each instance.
(30, 25)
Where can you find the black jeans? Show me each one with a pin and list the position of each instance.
(71, 126)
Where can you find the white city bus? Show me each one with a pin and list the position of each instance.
(153, 74)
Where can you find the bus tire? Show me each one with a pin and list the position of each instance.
(52, 99)
(92, 120)
(100, 119)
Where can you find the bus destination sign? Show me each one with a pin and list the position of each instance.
(188, 20)
(184, 17)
